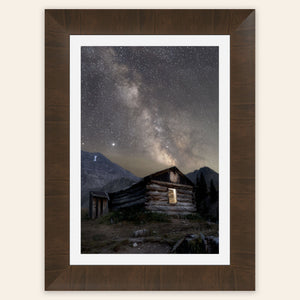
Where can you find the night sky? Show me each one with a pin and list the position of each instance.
(148, 108)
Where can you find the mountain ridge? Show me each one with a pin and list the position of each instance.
(208, 173)
(98, 173)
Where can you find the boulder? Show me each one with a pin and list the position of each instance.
(196, 244)
(190, 244)
(141, 232)
(212, 244)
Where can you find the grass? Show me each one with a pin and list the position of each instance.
(85, 214)
(191, 217)
(98, 237)
(136, 216)
(118, 245)
(115, 232)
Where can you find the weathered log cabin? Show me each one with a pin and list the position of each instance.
(168, 191)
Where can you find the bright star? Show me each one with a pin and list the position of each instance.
(113, 144)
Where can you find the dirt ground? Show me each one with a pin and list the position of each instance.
(158, 237)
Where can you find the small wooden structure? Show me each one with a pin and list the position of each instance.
(168, 191)
(98, 205)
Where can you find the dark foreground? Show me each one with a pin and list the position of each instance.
(139, 232)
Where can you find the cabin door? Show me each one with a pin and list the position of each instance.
(105, 206)
(101, 207)
(95, 208)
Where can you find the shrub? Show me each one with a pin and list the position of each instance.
(134, 215)
(196, 217)
(98, 237)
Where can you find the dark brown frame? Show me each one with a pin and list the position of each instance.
(240, 25)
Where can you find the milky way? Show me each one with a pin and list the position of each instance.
(148, 108)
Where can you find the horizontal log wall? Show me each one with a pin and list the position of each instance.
(134, 195)
(166, 203)
(157, 199)
(172, 185)
(171, 208)
(166, 199)
(133, 189)
(139, 201)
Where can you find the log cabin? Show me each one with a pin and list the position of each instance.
(168, 191)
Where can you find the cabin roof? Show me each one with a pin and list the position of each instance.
(99, 194)
(140, 182)
(174, 169)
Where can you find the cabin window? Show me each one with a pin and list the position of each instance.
(174, 177)
(172, 196)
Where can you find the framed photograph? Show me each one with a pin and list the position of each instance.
(150, 150)
(148, 115)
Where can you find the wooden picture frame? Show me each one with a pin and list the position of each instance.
(240, 25)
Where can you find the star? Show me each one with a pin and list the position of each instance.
(158, 106)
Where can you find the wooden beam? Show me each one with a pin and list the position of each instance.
(171, 208)
(128, 198)
(172, 185)
(160, 203)
(127, 191)
(156, 187)
(157, 193)
(184, 192)
(129, 204)
(157, 198)
(163, 199)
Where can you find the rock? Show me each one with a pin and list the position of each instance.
(134, 245)
(136, 240)
(193, 244)
(194, 236)
(204, 240)
(196, 243)
(141, 232)
(178, 243)
(212, 244)
(202, 235)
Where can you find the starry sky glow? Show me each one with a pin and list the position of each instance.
(148, 108)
